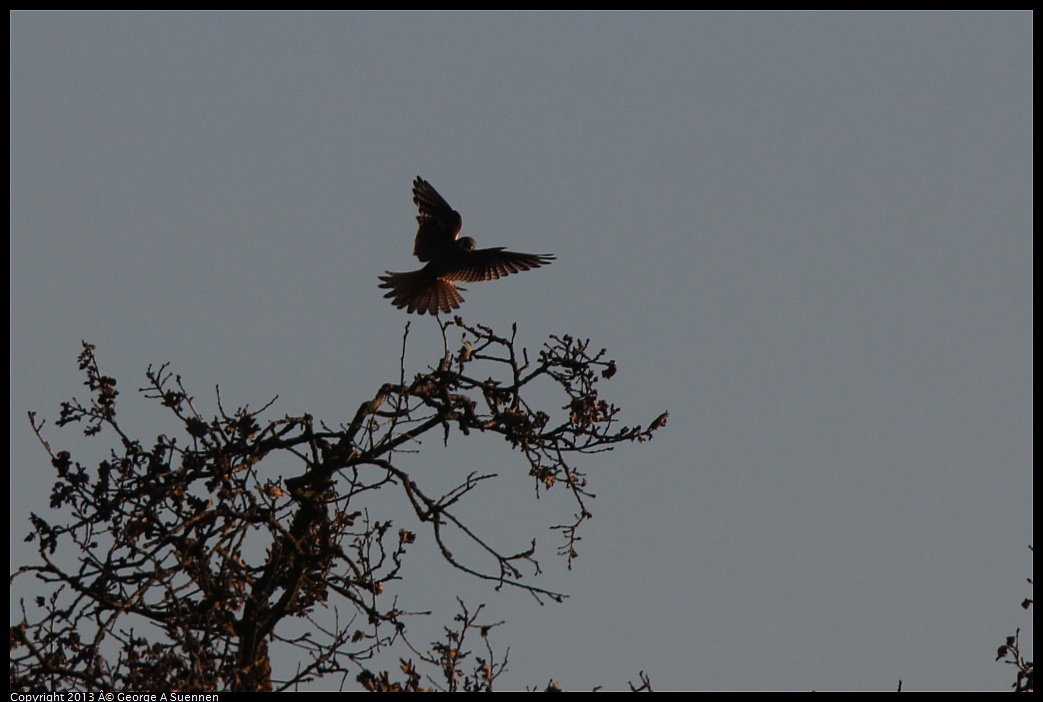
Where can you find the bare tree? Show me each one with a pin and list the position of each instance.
(188, 564)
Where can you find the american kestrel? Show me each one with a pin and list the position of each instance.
(449, 257)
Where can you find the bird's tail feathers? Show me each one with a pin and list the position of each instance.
(420, 292)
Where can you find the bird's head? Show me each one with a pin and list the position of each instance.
(466, 243)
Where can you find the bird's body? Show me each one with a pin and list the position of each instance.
(449, 258)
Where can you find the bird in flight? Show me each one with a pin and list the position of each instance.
(449, 257)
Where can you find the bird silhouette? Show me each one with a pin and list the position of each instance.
(449, 257)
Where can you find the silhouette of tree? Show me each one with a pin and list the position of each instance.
(187, 564)
(1010, 653)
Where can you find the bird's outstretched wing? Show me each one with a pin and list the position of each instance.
(431, 290)
(491, 264)
(439, 223)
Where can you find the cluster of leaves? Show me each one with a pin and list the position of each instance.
(1010, 653)
(189, 564)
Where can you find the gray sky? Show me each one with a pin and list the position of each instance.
(807, 236)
